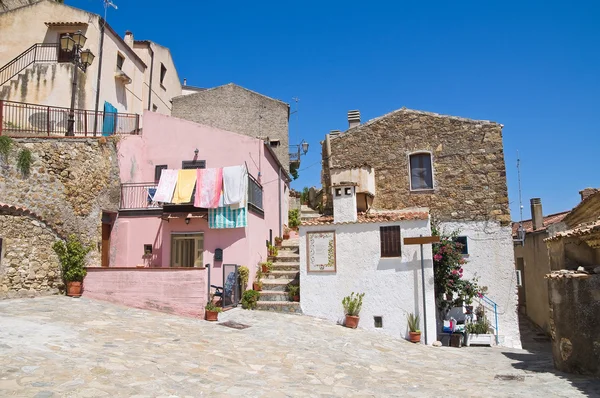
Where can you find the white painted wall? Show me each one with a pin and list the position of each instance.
(344, 206)
(491, 258)
(392, 286)
(364, 176)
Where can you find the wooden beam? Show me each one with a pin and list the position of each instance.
(421, 240)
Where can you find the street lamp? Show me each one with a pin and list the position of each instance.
(81, 59)
(301, 149)
(304, 146)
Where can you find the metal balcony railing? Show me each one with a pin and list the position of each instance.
(138, 196)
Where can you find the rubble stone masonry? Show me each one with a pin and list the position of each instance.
(468, 164)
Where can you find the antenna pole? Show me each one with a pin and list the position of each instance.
(521, 233)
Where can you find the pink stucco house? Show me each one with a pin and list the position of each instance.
(165, 236)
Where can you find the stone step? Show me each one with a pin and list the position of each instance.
(279, 306)
(290, 248)
(287, 253)
(266, 295)
(286, 267)
(286, 259)
(281, 274)
(278, 285)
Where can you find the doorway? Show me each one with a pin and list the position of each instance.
(106, 229)
(187, 249)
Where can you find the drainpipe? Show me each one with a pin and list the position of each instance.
(151, 73)
(280, 208)
(99, 76)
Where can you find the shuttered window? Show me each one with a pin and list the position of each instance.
(389, 238)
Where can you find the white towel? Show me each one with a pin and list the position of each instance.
(235, 185)
(166, 186)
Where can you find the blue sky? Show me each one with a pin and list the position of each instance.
(533, 66)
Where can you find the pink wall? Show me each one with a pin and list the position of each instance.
(175, 290)
(168, 140)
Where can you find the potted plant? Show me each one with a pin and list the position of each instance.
(244, 275)
(266, 267)
(413, 328)
(273, 251)
(257, 284)
(478, 332)
(278, 241)
(293, 292)
(352, 305)
(249, 299)
(71, 255)
(286, 233)
(211, 311)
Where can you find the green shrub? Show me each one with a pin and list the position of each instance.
(353, 303)
(244, 275)
(482, 326)
(72, 258)
(5, 145)
(293, 290)
(304, 195)
(294, 218)
(24, 162)
(413, 322)
(249, 299)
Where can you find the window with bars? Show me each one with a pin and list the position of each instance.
(389, 238)
(158, 170)
(255, 194)
(421, 174)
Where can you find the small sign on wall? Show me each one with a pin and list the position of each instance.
(320, 251)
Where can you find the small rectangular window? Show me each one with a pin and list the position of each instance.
(463, 244)
(519, 278)
(389, 238)
(163, 72)
(193, 164)
(348, 191)
(338, 192)
(158, 170)
(148, 249)
(378, 320)
(421, 174)
(120, 61)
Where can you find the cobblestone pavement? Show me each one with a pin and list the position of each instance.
(63, 347)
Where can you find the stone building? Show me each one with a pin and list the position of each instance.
(454, 167)
(129, 75)
(237, 109)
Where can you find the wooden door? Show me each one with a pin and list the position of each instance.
(106, 244)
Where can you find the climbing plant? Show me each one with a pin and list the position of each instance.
(5, 145)
(24, 162)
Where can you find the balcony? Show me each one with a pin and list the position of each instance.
(18, 119)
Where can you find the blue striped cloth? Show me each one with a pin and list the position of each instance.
(226, 217)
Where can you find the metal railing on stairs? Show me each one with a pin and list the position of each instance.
(39, 52)
(492, 304)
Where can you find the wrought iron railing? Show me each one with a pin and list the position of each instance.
(255, 193)
(19, 119)
(138, 196)
(492, 304)
(39, 52)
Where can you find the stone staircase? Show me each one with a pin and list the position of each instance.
(286, 268)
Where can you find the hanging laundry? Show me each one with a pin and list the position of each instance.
(226, 217)
(209, 185)
(235, 185)
(186, 181)
(166, 186)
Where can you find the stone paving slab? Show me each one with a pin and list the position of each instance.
(63, 347)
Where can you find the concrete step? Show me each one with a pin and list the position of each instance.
(288, 307)
(286, 259)
(267, 295)
(290, 248)
(281, 274)
(287, 253)
(278, 285)
(286, 267)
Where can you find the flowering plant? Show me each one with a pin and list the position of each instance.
(451, 289)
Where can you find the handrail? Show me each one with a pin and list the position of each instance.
(39, 52)
(492, 303)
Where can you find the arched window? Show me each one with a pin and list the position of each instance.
(421, 171)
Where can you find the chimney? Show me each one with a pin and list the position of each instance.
(537, 217)
(128, 38)
(353, 118)
(344, 202)
(587, 192)
(184, 81)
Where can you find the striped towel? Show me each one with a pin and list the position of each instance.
(226, 217)
(209, 185)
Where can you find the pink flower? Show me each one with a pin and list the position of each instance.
(454, 272)
(437, 257)
(479, 295)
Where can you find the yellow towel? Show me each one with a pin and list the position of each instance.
(186, 180)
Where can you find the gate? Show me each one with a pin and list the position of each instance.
(231, 285)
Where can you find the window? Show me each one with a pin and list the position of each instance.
(421, 174)
(158, 170)
(274, 143)
(120, 61)
(255, 195)
(193, 164)
(163, 72)
(463, 241)
(348, 191)
(148, 249)
(338, 192)
(187, 250)
(519, 278)
(378, 321)
(389, 238)
(64, 56)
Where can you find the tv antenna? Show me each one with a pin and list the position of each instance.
(108, 3)
(520, 231)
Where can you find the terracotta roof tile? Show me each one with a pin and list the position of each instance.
(548, 220)
(372, 218)
(26, 212)
(581, 230)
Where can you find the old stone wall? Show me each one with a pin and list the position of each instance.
(28, 264)
(575, 330)
(70, 183)
(234, 108)
(468, 164)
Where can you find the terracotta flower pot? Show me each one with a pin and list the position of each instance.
(74, 289)
(352, 321)
(211, 315)
(265, 269)
(296, 298)
(286, 236)
(278, 244)
(414, 337)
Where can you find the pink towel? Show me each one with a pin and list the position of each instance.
(209, 184)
